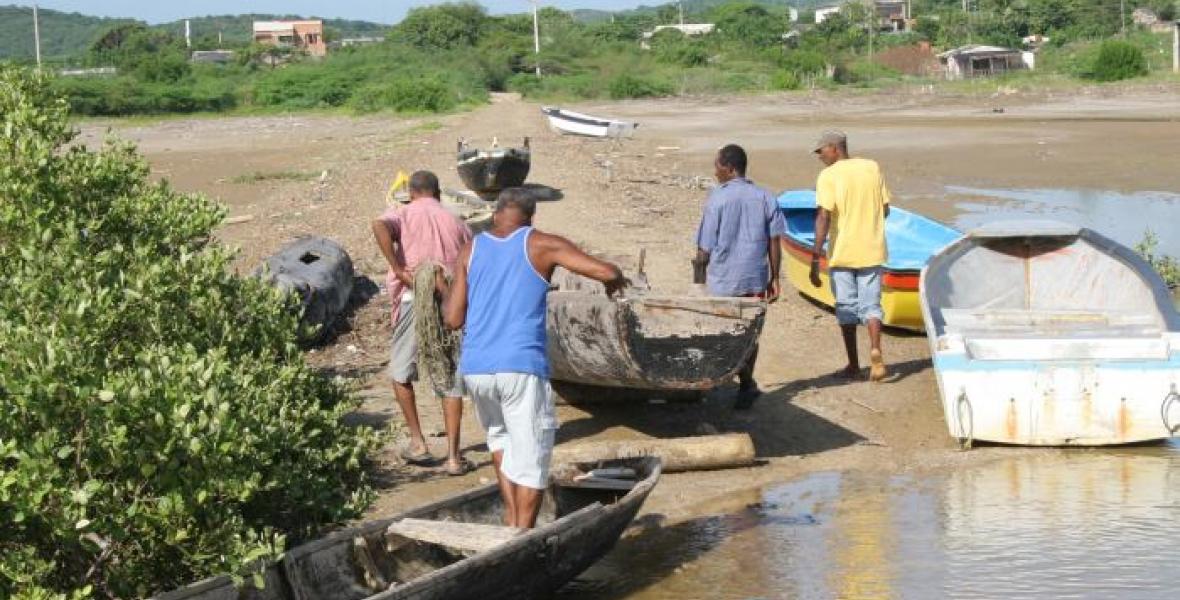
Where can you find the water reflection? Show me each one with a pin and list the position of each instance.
(1057, 524)
(1121, 216)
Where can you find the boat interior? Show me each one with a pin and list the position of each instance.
(374, 556)
(1047, 298)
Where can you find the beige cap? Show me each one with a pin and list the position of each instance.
(830, 137)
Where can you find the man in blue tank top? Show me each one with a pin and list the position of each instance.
(499, 294)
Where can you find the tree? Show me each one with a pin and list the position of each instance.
(148, 54)
(441, 27)
(749, 23)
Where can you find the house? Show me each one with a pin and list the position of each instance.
(360, 41)
(823, 12)
(307, 36)
(1145, 17)
(981, 61)
(688, 29)
(892, 14)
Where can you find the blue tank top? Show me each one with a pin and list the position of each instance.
(505, 308)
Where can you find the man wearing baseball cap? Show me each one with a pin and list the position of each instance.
(853, 203)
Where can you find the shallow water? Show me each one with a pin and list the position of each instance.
(1123, 217)
(1062, 524)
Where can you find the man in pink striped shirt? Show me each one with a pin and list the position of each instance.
(421, 231)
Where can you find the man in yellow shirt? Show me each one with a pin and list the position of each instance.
(853, 203)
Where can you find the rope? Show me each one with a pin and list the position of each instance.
(438, 347)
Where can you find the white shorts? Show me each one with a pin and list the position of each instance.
(516, 410)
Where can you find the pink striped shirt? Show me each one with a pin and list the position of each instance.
(423, 230)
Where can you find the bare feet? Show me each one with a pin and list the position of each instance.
(877, 371)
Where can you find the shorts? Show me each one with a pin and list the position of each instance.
(517, 411)
(858, 294)
(403, 351)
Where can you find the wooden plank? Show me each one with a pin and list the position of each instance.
(473, 537)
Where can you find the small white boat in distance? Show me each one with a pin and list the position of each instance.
(1051, 335)
(568, 121)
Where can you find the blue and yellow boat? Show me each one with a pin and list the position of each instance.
(912, 240)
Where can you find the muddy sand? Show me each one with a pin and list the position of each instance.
(647, 193)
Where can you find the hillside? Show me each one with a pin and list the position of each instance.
(68, 35)
(62, 34)
(236, 29)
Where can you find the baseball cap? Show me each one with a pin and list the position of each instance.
(830, 137)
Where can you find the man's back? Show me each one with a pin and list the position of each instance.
(425, 231)
(854, 191)
(738, 222)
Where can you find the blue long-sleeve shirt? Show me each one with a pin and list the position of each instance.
(739, 220)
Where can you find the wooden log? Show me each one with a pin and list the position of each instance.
(725, 451)
(472, 537)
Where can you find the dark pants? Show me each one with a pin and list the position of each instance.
(746, 373)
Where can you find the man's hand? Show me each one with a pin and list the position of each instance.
(405, 276)
(773, 290)
(616, 285)
(814, 275)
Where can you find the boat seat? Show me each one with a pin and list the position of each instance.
(1057, 334)
(469, 537)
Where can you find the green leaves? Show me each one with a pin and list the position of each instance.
(157, 412)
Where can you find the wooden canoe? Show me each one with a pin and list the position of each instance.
(488, 172)
(404, 557)
(647, 342)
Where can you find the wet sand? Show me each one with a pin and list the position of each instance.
(641, 193)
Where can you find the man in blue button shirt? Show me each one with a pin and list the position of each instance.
(739, 241)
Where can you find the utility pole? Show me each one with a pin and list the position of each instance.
(536, 38)
(37, 35)
(1176, 47)
(188, 35)
(1123, 16)
(680, 8)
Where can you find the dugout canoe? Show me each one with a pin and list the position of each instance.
(912, 239)
(487, 172)
(456, 549)
(1051, 335)
(643, 341)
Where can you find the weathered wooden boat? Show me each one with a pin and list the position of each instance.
(643, 341)
(319, 272)
(911, 238)
(475, 212)
(487, 172)
(456, 548)
(1049, 334)
(574, 123)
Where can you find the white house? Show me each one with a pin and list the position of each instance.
(823, 12)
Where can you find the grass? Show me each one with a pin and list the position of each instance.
(261, 177)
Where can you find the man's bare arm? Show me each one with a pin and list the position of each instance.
(385, 242)
(823, 220)
(557, 251)
(454, 306)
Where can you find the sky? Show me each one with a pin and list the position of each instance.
(381, 11)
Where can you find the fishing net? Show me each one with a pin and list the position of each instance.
(438, 347)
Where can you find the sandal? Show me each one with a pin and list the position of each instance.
(420, 459)
(464, 467)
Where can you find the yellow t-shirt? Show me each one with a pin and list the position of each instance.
(854, 191)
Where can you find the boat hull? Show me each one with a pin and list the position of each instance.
(1051, 335)
(900, 304)
(357, 563)
(487, 173)
(1048, 404)
(650, 342)
(572, 123)
(911, 238)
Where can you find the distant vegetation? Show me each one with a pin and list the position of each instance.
(444, 57)
(1167, 266)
